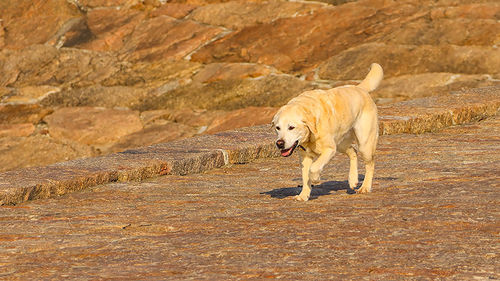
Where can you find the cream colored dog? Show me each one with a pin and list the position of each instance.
(322, 122)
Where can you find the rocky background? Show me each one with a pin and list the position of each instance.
(81, 78)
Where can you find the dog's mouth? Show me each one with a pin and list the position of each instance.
(289, 151)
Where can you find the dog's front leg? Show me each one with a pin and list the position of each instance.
(320, 163)
(306, 183)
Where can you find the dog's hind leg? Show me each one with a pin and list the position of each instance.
(346, 146)
(353, 167)
(366, 131)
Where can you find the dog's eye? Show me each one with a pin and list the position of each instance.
(278, 128)
(291, 128)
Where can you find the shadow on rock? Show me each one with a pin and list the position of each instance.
(324, 188)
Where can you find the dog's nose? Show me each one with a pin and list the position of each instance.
(280, 144)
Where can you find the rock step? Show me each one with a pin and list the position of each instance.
(203, 153)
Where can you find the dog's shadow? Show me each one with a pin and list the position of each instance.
(325, 188)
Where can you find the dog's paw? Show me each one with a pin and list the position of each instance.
(301, 197)
(353, 183)
(363, 190)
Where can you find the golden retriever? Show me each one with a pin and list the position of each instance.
(322, 122)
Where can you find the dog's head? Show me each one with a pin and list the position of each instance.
(291, 127)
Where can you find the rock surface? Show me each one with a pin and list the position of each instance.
(433, 214)
(92, 125)
(206, 60)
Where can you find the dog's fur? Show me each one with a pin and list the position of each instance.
(322, 122)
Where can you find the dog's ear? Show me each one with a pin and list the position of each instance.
(273, 122)
(310, 122)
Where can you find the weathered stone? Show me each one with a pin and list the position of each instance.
(150, 116)
(224, 71)
(16, 130)
(237, 15)
(434, 113)
(473, 10)
(5, 93)
(195, 118)
(166, 38)
(57, 179)
(300, 43)
(2, 34)
(152, 135)
(480, 32)
(18, 151)
(192, 118)
(46, 65)
(106, 3)
(22, 113)
(409, 59)
(111, 26)
(31, 94)
(92, 125)
(16, 64)
(116, 96)
(26, 25)
(73, 32)
(412, 86)
(271, 90)
(153, 74)
(245, 117)
(175, 10)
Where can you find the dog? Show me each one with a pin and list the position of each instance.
(321, 122)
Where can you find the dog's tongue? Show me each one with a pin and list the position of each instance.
(286, 152)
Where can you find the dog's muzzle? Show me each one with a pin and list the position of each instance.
(289, 151)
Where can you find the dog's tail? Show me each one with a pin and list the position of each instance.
(372, 80)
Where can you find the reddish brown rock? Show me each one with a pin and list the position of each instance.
(110, 26)
(115, 96)
(46, 65)
(410, 59)
(19, 152)
(16, 130)
(271, 90)
(237, 15)
(31, 94)
(26, 24)
(107, 3)
(413, 86)
(151, 116)
(167, 38)
(488, 10)
(175, 10)
(22, 113)
(153, 74)
(195, 118)
(26, 65)
(2, 34)
(92, 126)
(482, 32)
(244, 117)
(293, 44)
(223, 71)
(71, 33)
(152, 135)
